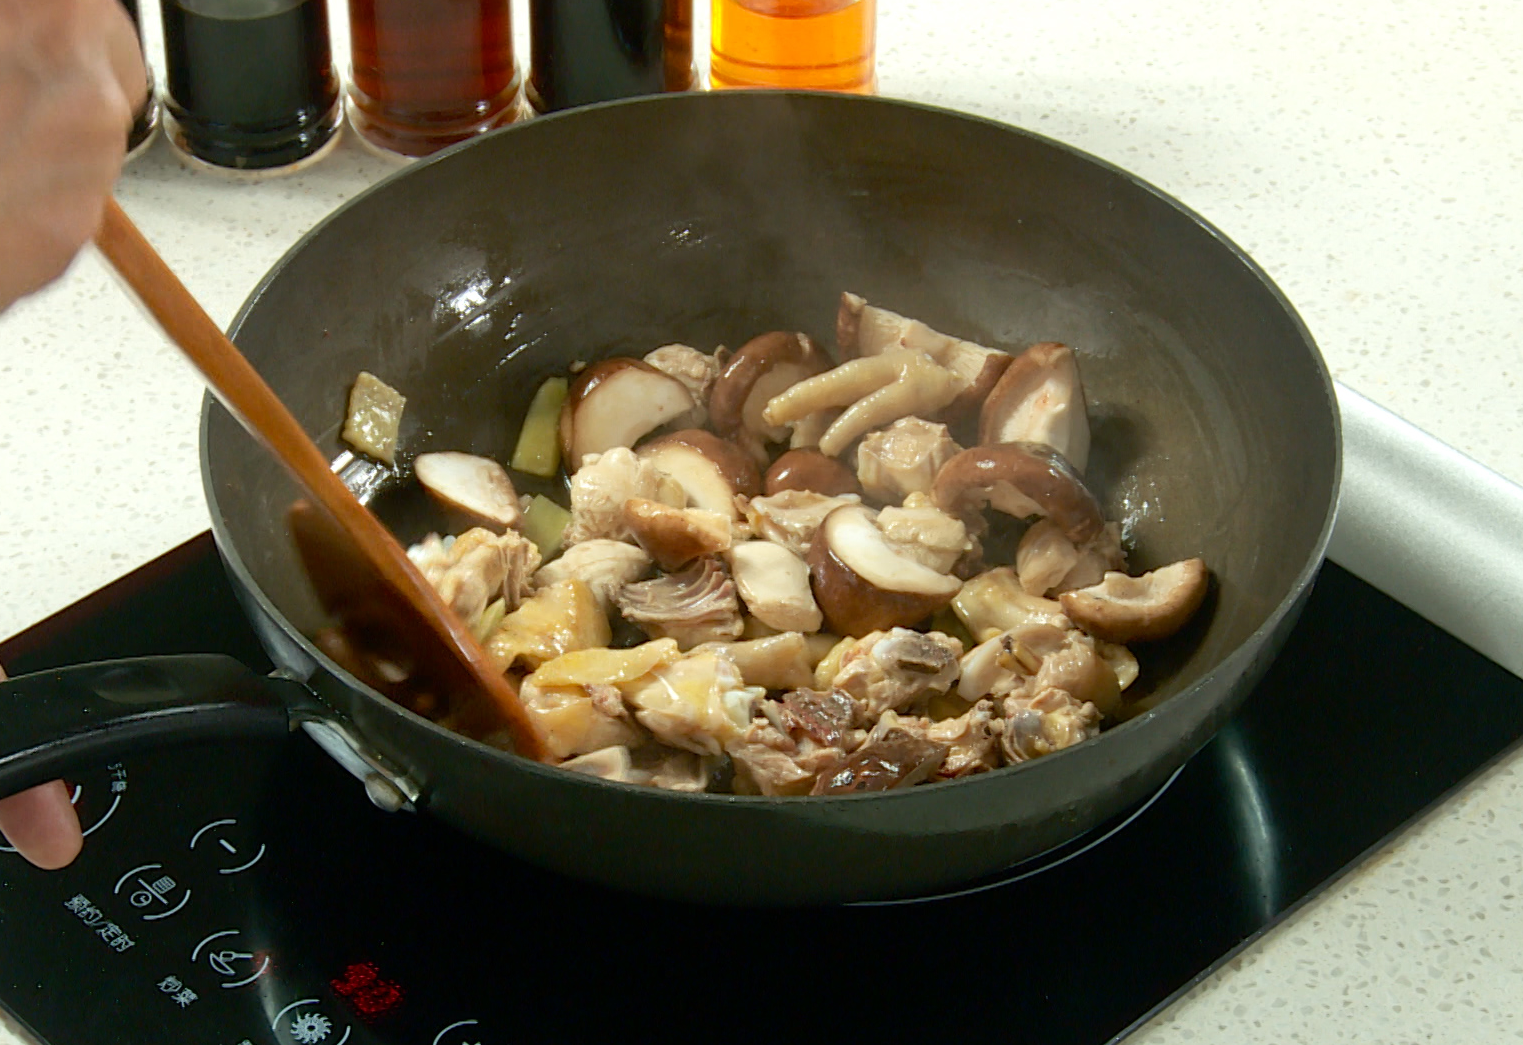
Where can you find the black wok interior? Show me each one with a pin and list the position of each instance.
(708, 219)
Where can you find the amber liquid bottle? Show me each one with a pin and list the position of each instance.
(430, 73)
(826, 45)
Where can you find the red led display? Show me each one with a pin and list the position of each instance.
(372, 997)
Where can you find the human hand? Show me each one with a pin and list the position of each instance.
(41, 824)
(71, 77)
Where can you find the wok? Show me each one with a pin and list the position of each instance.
(467, 279)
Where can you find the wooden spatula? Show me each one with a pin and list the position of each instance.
(359, 570)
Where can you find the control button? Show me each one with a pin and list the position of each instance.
(222, 839)
(157, 895)
(96, 798)
(462, 1033)
(234, 966)
(303, 1022)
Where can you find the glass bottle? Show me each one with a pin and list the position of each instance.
(146, 120)
(594, 50)
(826, 45)
(430, 73)
(251, 83)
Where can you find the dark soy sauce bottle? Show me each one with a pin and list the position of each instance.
(146, 119)
(585, 51)
(251, 84)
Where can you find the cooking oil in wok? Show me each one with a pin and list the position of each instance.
(813, 44)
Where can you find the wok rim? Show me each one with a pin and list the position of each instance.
(1289, 603)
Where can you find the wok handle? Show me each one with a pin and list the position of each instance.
(53, 723)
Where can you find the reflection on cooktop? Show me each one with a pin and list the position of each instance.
(357, 926)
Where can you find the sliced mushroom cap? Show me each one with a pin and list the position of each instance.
(709, 469)
(876, 391)
(1039, 399)
(478, 486)
(763, 367)
(1020, 479)
(675, 537)
(617, 402)
(1139, 609)
(810, 470)
(862, 584)
(774, 584)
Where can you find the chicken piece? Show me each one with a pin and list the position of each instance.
(895, 754)
(551, 622)
(769, 761)
(994, 602)
(697, 605)
(671, 769)
(827, 716)
(1079, 670)
(604, 483)
(792, 517)
(1047, 722)
(903, 459)
(972, 740)
(696, 370)
(603, 565)
(925, 534)
(698, 703)
(779, 661)
(888, 670)
(1048, 563)
(573, 720)
(472, 570)
(1037, 656)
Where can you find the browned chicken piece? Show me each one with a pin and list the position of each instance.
(603, 484)
(476, 568)
(903, 459)
(1048, 562)
(697, 605)
(894, 755)
(1047, 722)
(972, 740)
(1028, 659)
(923, 533)
(769, 761)
(791, 518)
(696, 370)
(603, 565)
(887, 670)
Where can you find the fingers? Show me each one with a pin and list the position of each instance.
(71, 78)
(124, 53)
(41, 824)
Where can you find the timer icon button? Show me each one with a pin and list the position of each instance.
(226, 844)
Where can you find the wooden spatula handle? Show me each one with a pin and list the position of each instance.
(244, 392)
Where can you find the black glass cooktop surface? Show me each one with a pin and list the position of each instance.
(250, 894)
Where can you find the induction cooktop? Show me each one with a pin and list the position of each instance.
(249, 893)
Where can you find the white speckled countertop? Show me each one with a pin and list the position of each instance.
(1369, 156)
